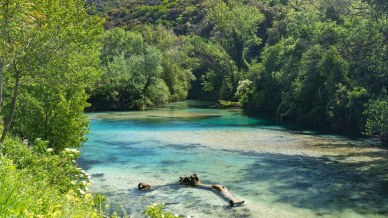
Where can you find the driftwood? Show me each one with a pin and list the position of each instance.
(194, 181)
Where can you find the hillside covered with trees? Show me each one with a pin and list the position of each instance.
(321, 63)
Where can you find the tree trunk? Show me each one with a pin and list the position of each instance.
(238, 52)
(1, 78)
(4, 34)
(2, 60)
(194, 181)
(8, 125)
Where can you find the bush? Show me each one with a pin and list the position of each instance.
(377, 117)
(35, 182)
(228, 104)
(157, 211)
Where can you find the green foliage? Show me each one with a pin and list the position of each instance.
(235, 27)
(324, 66)
(41, 161)
(176, 63)
(315, 62)
(158, 93)
(307, 88)
(157, 211)
(183, 16)
(55, 58)
(144, 68)
(232, 32)
(244, 92)
(228, 104)
(217, 71)
(377, 117)
(217, 61)
(49, 56)
(54, 115)
(380, 5)
(38, 183)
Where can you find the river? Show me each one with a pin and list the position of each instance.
(277, 170)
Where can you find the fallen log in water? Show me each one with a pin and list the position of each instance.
(194, 181)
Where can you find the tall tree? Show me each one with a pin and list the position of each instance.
(145, 67)
(235, 27)
(53, 44)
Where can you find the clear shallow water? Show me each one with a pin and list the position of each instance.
(278, 171)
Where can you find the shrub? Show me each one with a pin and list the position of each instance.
(35, 182)
(228, 104)
(157, 211)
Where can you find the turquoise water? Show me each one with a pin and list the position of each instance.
(280, 172)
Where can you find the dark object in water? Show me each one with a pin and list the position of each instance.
(97, 175)
(194, 181)
(142, 186)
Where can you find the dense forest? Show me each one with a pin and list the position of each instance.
(321, 63)
(315, 62)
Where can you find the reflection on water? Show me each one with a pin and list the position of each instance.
(279, 172)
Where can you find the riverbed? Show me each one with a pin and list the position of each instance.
(278, 170)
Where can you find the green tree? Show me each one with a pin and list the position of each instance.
(144, 73)
(139, 65)
(309, 99)
(377, 117)
(53, 61)
(379, 5)
(217, 72)
(235, 28)
(322, 61)
(176, 62)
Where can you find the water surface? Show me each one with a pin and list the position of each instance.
(280, 172)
